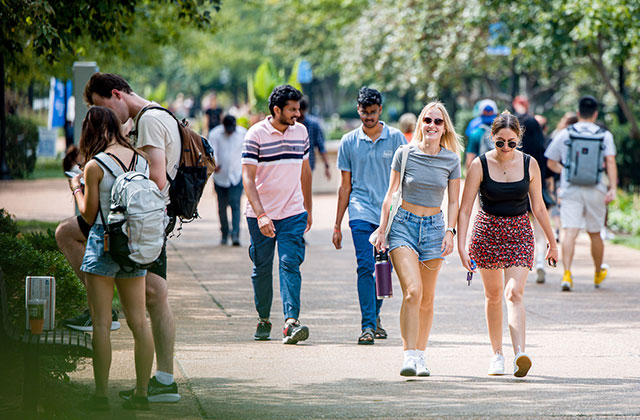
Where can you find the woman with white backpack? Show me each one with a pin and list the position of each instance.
(101, 137)
(419, 237)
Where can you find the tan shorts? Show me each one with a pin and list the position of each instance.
(583, 207)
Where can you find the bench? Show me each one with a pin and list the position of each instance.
(32, 346)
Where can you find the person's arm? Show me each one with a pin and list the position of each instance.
(394, 183)
(265, 224)
(468, 159)
(554, 165)
(327, 169)
(157, 165)
(453, 193)
(471, 185)
(612, 173)
(344, 191)
(539, 210)
(306, 179)
(88, 200)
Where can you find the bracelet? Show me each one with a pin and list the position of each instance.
(336, 230)
(75, 190)
(262, 215)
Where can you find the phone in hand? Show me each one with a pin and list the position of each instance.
(71, 174)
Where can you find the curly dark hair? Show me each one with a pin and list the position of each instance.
(368, 97)
(103, 84)
(281, 94)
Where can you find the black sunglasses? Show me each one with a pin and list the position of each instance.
(437, 121)
(511, 144)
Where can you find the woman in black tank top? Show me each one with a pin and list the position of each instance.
(502, 243)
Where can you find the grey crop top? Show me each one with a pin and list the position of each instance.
(426, 176)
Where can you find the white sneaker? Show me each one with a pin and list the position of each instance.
(421, 368)
(521, 365)
(496, 365)
(540, 274)
(408, 367)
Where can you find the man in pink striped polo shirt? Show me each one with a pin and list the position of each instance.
(277, 180)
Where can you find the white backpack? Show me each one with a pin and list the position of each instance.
(136, 222)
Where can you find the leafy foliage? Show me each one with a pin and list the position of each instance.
(22, 143)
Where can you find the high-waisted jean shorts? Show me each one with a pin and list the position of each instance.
(423, 235)
(96, 262)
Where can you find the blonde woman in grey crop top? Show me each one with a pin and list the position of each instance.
(101, 133)
(420, 237)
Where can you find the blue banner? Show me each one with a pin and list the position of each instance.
(57, 103)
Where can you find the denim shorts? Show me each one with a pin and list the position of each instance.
(423, 235)
(95, 261)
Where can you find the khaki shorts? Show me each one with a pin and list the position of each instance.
(583, 207)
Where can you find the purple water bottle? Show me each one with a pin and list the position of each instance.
(384, 288)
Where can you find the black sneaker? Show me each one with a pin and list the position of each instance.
(156, 392)
(83, 322)
(263, 330)
(136, 403)
(293, 333)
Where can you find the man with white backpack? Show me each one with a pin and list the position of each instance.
(579, 153)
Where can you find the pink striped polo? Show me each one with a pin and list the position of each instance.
(279, 158)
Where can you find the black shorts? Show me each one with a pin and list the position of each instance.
(84, 227)
(159, 267)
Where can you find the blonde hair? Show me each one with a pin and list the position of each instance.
(450, 140)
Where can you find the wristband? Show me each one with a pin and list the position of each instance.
(262, 215)
(337, 230)
(75, 190)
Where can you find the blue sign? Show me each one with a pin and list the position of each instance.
(497, 31)
(57, 103)
(305, 74)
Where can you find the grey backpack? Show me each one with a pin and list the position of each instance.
(486, 142)
(135, 226)
(585, 161)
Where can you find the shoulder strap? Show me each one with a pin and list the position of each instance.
(485, 167)
(527, 160)
(403, 165)
(148, 108)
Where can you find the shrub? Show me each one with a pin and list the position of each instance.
(627, 155)
(7, 224)
(22, 144)
(623, 213)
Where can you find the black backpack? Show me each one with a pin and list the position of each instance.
(195, 168)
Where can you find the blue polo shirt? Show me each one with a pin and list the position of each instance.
(370, 167)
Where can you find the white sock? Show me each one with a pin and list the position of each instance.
(419, 354)
(408, 354)
(164, 378)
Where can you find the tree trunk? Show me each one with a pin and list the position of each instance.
(4, 169)
(622, 103)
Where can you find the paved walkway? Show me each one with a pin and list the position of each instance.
(585, 344)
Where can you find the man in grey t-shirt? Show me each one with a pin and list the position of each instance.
(583, 205)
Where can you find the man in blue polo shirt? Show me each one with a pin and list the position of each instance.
(364, 159)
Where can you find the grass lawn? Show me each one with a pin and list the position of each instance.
(47, 168)
(28, 226)
(627, 240)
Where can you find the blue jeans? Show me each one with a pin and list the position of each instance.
(365, 256)
(291, 249)
(229, 197)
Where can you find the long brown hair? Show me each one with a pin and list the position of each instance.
(99, 128)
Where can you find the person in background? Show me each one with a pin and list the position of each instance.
(418, 239)
(583, 205)
(479, 138)
(502, 243)
(101, 133)
(212, 113)
(316, 137)
(226, 140)
(364, 159)
(407, 124)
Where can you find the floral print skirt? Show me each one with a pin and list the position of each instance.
(502, 242)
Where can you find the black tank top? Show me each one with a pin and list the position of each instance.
(504, 199)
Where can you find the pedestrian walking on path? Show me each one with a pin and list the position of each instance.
(502, 243)
(101, 136)
(364, 159)
(277, 180)
(585, 197)
(418, 239)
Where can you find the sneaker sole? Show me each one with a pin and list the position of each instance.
(566, 287)
(524, 364)
(408, 372)
(159, 398)
(115, 325)
(541, 276)
(423, 374)
(300, 335)
(267, 338)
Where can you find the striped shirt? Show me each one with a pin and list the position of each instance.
(278, 157)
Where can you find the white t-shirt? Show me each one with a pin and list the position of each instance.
(159, 129)
(227, 150)
(558, 150)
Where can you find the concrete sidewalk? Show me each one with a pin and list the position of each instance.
(585, 345)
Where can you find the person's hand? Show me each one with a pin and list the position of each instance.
(465, 259)
(610, 196)
(74, 183)
(266, 227)
(337, 238)
(217, 168)
(447, 244)
(327, 172)
(309, 222)
(552, 255)
(381, 241)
